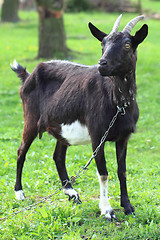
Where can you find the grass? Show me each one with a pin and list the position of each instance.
(58, 218)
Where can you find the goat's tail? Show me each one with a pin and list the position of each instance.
(21, 71)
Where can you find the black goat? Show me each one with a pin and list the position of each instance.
(75, 103)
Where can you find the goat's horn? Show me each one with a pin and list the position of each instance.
(128, 28)
(116, 24)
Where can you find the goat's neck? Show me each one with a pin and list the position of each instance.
(124, 89)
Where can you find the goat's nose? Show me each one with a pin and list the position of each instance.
(102, 61)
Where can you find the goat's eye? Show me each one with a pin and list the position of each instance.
(127, 45)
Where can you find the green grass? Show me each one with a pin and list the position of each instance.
(58, 218)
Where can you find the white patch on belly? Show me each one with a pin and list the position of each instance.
(75, 133)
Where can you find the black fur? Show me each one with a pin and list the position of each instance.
(61, 92)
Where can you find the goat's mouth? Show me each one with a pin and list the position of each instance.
(105, 71)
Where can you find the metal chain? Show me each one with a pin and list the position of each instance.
(33, 206)
(82, 170)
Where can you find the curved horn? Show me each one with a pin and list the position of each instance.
(116, 24)
(128, 28)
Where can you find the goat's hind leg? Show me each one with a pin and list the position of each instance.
(28, 136)
(59, 158)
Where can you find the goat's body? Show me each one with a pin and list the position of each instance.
(76, 103)
(69, 102)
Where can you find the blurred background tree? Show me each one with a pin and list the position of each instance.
(107, 5)
(27, 4)
(77, 5)
(52, 37)
(10, 11)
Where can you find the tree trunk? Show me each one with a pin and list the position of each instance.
(10, 11)
(139, 6)
(27, 4)
(52, 38)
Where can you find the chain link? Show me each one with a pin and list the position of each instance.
(84, 168)
(81, 171)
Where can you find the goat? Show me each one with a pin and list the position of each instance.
(75, 103)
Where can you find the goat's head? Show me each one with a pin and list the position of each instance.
(119, 48)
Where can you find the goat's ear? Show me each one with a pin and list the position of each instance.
(96, 32)
(141, 34)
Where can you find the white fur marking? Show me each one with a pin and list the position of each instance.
(104, 204)
(130, 92)
(70, 191)
(75, 133)
(119, 90)
(19, 195)
(15, 64)
(122, 98)
(107, 48)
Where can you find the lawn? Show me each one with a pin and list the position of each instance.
(58, 218)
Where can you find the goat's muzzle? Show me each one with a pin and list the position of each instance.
(103, 67)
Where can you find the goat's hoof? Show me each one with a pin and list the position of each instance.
(109, 215)
(129, 210)
(113, 216)
(76, 199)
(72, 195)
(20, 195)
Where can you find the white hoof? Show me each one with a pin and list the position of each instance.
(110, 215)
(70, 192)
(19, 195)
(72, 195)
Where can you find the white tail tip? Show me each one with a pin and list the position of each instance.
(14, 65)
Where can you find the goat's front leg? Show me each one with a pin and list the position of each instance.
(121, 150)
(59, 158)
(104, 204)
